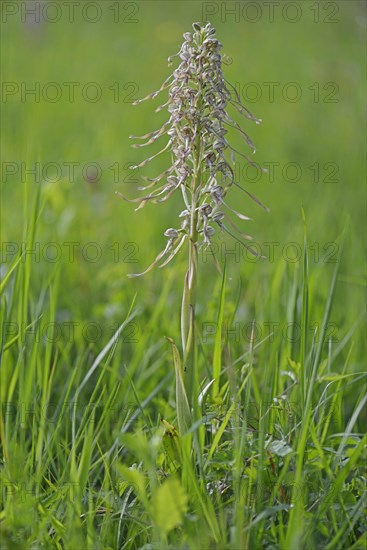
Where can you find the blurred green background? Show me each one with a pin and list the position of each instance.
(311, 54)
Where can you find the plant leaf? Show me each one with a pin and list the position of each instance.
(169, 504)
(183, 409)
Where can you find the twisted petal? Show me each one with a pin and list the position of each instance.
(174, 252)
(236, 126)
(154, 181)
(251, 250)
(238, 214)
(243, 235)
(146, 161)
(160, 255)
(240, 107)
(253, 197)
(154, 94)
(150, 134)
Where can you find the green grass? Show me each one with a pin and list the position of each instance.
(87, 375)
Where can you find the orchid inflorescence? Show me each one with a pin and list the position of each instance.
(198, 96)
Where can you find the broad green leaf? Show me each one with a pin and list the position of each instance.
(169, 504)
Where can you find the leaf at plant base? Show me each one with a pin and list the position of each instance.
(136, 479)
(169, 504)
(183, 409)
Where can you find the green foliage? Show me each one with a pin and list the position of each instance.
(276, 458)
(169, 504)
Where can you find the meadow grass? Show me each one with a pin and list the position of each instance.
(87, 375)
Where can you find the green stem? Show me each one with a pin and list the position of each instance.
(188, 322)
(189, 292)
